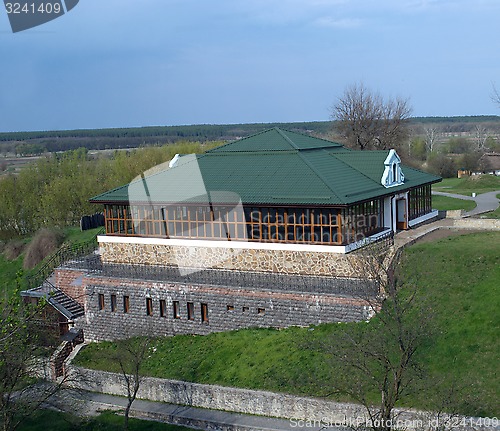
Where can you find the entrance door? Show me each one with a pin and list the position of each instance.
(401, 218)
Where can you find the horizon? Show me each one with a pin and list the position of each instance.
(439, 118)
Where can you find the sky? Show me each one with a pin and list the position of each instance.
(124, 63)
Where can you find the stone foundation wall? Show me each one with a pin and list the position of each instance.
(229, 308)
(278, 261)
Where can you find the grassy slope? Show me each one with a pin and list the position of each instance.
(104, 422)
(446, 203)
(467, 186)
(9, 268)
(462, 273)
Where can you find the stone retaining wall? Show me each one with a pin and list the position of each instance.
(261, 402)
(258, 260)
(477, 223)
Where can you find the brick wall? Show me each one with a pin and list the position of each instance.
(70, 282)
(227, 308)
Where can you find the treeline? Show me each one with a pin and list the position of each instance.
(54, 191)
(102, 139)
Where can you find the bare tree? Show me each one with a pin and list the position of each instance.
(376, 363)
(367, 121)
(481, 133)
(130, 356)
(431, 136)
(20, 365)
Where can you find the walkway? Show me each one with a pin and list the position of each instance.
(485, 202)
(91, 403)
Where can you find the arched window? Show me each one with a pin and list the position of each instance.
(394, 173)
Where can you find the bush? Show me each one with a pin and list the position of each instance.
(45, 242)
(13, 249)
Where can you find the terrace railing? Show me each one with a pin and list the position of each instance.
(64, 254)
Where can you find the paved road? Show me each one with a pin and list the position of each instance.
(90, 403)
(485, 202)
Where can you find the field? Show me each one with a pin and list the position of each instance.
(462, 276)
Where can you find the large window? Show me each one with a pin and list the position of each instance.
(362, 220)
(420, 201)
(262, 224)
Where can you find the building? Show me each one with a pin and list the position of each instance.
(489, 163)
(257, 232)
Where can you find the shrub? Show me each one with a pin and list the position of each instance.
(13, 249)
(45, 242)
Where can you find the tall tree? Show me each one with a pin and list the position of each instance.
(367, 121)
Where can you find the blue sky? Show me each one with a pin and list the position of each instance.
(124, 63)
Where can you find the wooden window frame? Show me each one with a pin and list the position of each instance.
(126, 303)
(190, 310)
(176, 309)
(100, 302)
(113, 302)
(149, 306)
(163, 308)
(204, 312)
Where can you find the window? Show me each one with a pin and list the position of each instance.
(149, 306)
(177, 311)
(204, 313)
(261, 311)
(101, 301)
(230, 308)
(113, 303)
(190, 310)
(163, 308)
(244, 309)
(126, 304)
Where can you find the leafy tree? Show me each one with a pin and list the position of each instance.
(367, 121)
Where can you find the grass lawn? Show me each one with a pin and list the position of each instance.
(443, 203)
(469, 185)
(51, 420)
(460, 273)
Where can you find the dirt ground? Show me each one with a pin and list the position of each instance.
(443, 233)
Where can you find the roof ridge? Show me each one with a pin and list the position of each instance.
(282, 133)
(304, 159)
(213, 150)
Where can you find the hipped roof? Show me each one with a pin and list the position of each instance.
(274, 167)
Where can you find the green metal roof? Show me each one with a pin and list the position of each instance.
(273, 167)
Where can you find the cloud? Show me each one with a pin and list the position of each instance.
(343, 23)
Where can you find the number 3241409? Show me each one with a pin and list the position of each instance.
(18, 8)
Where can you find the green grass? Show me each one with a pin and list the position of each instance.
(9, 268)
(50, 420)
(443, 203)
(467, 186)
(8, 271)
(461, 274)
